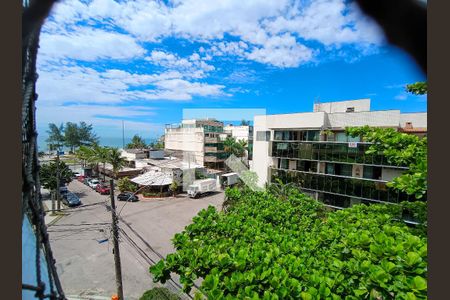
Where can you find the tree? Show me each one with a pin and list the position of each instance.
(86, 155)
(101, 155)
(267, 248)
(116, 160)
(86, 135)
(245, 123)
(231, 146)
(125, 185)
(55, 138)
(401, 149)
(418, 88)
(47, 175)
(173, 188)
(137, 142)
(71, 136)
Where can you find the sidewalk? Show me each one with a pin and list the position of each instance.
(47, 204)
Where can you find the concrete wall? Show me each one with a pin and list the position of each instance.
(238, 132)
(357, 171)
(133, 156)
(188, 140)
(388, 174)
(417, 119)
(341, 106)
(261, 159)
(292, 164)
(156, 154)
(298, 120)
(386, 118)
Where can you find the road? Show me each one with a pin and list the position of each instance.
(82, 243)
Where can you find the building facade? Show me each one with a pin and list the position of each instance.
(242, 132)
(199, 141)
(312, 151)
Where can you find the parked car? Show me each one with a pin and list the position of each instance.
(70, 199)
(76, 174)
(63, 190)
(86, 180)
(127, 196)
(93, 183)
(103, 189)
(81, 178)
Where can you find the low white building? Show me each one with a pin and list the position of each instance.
(197, 141)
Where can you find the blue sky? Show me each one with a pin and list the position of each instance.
(143, 62)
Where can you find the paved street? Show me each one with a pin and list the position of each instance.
(82, 244)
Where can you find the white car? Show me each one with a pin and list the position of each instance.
(93, 183)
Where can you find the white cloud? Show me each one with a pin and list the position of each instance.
(282, 51)
(85, 85)
(254, 23)
(89, 44)
(193, 66)
(330, 22)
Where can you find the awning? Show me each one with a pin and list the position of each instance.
(153, 178)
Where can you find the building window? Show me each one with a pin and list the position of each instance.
(263, 136)
(372, 172)
(350, 109)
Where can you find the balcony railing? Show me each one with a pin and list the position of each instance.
(330, 151)
(362, 188)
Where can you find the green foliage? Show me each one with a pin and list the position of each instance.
(47, 174)
(400, 149)
(114, 157)
(137, 142)
(267, 248)
(159, 293)
(173, 187)
(418, 88)
(55, 136)
(237, 148)
(72, 135)
(126, 185)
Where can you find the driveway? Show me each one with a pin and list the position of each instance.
(82, 243)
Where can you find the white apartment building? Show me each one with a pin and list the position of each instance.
(199, 141)
(312, 150)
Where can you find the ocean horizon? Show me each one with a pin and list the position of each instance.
(103, 141)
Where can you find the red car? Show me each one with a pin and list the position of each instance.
(81, 178)
(102, 189)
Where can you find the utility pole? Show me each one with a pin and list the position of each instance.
(123, 136)
(116, 252)
(58, 195)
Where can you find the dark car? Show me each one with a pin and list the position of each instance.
(103, 189)
(71, 199)
(127, 196)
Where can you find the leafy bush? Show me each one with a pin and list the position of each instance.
(126, 185)
(400, 149)
(267, 248)
(159, 293)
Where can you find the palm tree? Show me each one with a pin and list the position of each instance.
(229, 145)
(242, 145)
(101, 155)
(85, 154)
(137, 142)
(116, 160)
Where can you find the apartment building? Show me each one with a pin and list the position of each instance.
(199, 141)
(312, 150)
